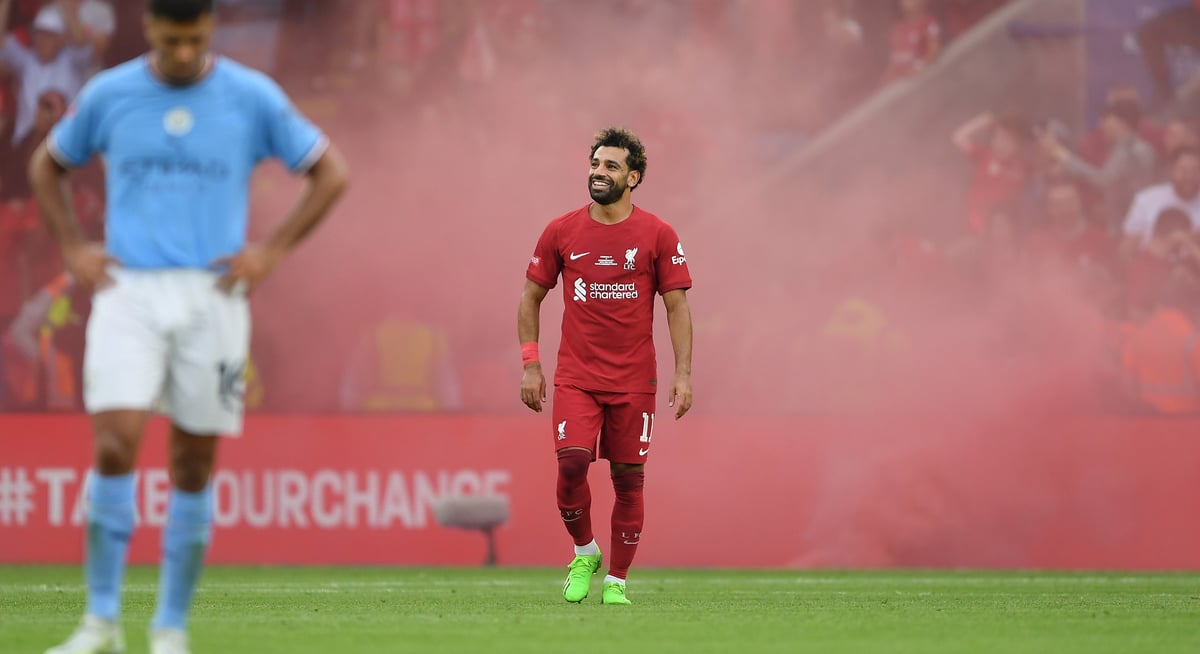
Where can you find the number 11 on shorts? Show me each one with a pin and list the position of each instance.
(647, 432)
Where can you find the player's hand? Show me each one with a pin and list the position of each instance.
(247, 268)
(533, 387)
(681, 394)
(88, 264)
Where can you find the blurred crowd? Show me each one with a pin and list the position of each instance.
(1067, 244)
(1115, 211)
(49, 50)
(1112, 214)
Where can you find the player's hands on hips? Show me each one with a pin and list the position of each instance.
(247, 268)
(88, 264)
(681, 394)
(533, 387)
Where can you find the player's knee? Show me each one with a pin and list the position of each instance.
(192, 458)
(114, 455)
(573, 465)
(630, 481)
(190, 474)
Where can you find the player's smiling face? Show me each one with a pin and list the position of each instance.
(180, 49)
(609, 177)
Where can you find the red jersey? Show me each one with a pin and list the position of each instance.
(996, 181)
(611, 274)
(912, 39)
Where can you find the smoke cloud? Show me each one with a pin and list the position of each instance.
(938, 365)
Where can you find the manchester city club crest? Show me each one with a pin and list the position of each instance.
(178, 121)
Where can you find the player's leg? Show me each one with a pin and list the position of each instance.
(124, 366)
(110, 517)
(576, 423)
(625, 441)
(187, 532)
(627, 518)
(110, 506)
(204, 391)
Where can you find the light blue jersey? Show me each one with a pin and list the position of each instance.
(178, 159)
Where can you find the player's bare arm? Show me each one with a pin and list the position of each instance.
(679, 323)
(529, 314)
(87, 262)
(326, 180)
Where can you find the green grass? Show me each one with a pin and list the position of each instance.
(302, 610)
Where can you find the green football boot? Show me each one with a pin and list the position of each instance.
(614, 593)
(579, 576)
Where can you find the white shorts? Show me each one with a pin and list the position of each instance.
(169, 340)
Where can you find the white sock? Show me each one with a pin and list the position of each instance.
(591, 549)
(608, 579)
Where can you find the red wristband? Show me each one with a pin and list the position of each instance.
(529, 353)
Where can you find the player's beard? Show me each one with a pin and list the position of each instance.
(608, 195)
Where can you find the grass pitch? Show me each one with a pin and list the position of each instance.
(365, 610)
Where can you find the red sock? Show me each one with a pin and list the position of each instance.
(574, 494)
(627, 515)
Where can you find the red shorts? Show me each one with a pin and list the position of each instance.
(623, 423)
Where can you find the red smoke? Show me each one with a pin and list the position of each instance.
(954, 367)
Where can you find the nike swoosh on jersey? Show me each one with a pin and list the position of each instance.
(642, 452)
(580, 255)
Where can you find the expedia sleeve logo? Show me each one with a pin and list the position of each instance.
(681, 259)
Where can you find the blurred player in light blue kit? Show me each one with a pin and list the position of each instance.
(180, 131)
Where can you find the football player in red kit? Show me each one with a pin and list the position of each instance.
(613, 257)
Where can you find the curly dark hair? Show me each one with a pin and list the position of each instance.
(619, 137)
(179, 11)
